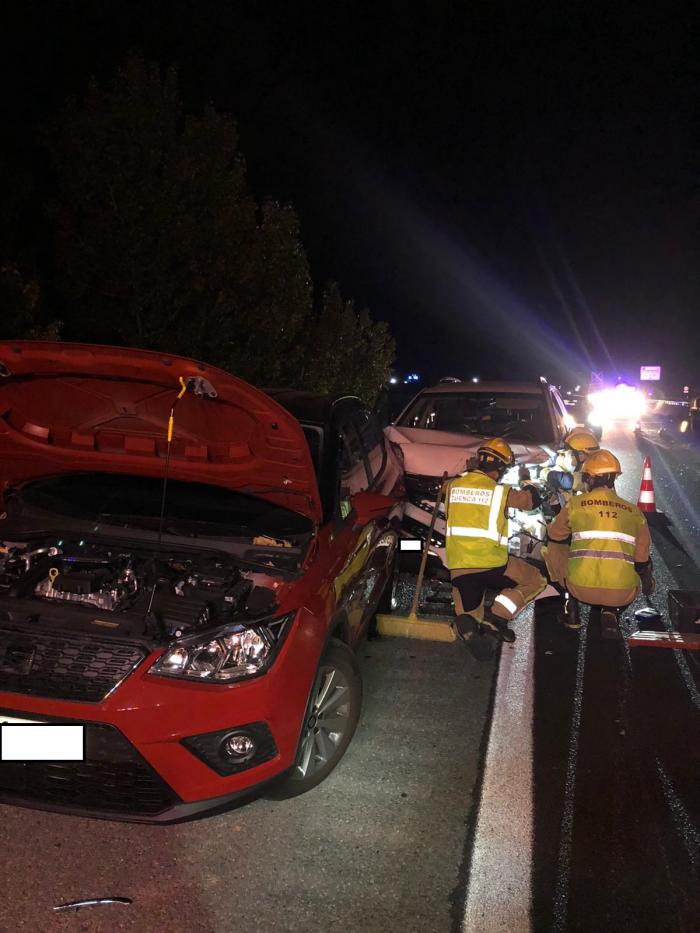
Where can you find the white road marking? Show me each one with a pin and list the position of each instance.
(498, 893)
(561, 894)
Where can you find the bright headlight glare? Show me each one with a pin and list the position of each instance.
(623, 403)
(232, 653)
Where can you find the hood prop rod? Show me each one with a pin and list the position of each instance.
(171, 423)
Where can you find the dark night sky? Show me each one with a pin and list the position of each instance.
(514, 187)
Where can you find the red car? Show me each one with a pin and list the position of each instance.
(186, 565)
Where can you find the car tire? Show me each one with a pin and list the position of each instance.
(329, 722)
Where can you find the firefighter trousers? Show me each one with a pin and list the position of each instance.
(517, 582)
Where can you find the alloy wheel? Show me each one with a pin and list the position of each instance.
(327, 722)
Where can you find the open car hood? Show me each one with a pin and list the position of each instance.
(68, 407)
(431, 453)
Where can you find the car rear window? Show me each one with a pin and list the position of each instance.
(520, 416)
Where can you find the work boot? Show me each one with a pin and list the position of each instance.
(609, 619)
(497, 627)
(474, 635)
(572, 614)
(465, 626)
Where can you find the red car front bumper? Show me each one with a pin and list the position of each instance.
(137, 767)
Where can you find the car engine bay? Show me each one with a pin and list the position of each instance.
(135, 591)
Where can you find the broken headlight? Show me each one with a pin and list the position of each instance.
(234, 652)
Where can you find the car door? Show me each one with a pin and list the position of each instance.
(369, 550)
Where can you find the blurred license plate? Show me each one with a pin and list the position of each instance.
(31, 740)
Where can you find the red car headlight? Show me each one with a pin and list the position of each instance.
(232, 653)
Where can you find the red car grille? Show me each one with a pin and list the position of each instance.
(62, 667)
(114, 778)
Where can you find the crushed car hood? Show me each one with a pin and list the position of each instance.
(431, 453)
(74, 408)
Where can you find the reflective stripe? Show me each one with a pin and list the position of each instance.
(507, 603)
(646, 496)
(601, 555)
(495, 512)
(604, 536)
(462, 531)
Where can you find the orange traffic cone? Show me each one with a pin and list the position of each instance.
(647, 500)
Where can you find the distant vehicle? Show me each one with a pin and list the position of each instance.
(443, 426)
(200, 635)
(621, 404)
(670, 418)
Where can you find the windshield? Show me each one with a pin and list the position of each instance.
(191, 509)
(518, 416)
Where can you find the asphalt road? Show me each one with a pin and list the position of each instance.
(555, 789)
(616, 745)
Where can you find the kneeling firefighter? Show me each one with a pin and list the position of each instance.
(477, 544)
(608, 541)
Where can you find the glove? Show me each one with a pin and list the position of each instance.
(523, 474)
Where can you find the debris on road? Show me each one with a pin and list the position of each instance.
(92, 902)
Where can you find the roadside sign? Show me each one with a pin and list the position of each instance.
(650, 373)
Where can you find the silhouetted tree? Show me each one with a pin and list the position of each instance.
(19, 308)
(160, 244)
(348, 351)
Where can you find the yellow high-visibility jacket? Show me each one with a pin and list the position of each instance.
(477, 524)
(604, 533)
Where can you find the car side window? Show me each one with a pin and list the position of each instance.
(352, 468)
(371, 441)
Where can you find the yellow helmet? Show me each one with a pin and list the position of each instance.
(497, 449)
(582, 440)
(601, 463)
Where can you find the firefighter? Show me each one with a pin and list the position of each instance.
(564, 477)
(608, 541)
(566, 481)
(477, 545)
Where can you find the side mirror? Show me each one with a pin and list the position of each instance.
(370, 505)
